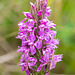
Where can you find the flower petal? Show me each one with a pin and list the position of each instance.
(39, 68)
(27, 71)
(33, 50)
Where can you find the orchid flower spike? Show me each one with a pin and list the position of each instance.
(38, 40)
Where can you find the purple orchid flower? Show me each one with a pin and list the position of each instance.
(33, 6)
(30, 23)
(48, 11)
(32, 36)
(38, 40)
(32, 48)
(39, 13)
(38, 43)
(28, 15)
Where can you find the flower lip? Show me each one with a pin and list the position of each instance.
(42, 26)
(39, 13)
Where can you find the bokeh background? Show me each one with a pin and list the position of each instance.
(63, 14)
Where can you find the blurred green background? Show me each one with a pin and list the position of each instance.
(63, 14)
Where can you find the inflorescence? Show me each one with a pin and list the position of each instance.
(38, 40)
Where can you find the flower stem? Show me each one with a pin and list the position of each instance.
(37, 4)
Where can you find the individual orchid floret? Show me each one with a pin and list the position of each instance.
(41, 31)
(50, 24)
(23, 50)
(24, 57)
(43, 21)
(32, 36)
(45, 4)
(28, 14)
(33, 6)
(32, 61)
(30, 23)
(56, 58)
(52, 33)
(48, 11)
(32, 48)
(46, 54)
(38, 44)
(47, 38)
(39, 13)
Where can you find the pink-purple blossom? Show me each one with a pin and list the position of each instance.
(39, 13)
(38, 40)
